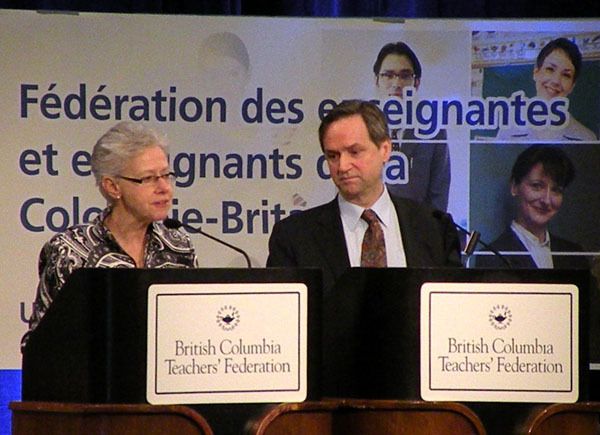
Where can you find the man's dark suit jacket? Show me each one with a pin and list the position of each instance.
(315, 238)
(508, 241)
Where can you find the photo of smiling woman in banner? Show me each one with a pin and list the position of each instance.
(538, 184)
(556, 70)
(556, 75)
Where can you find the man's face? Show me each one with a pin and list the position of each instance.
(395, 74)
(355, 162)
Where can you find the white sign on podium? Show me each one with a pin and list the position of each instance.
(227, 343)
(501, 342)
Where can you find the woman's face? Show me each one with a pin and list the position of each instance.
(146, 202)
(556, 76)
(538, 199)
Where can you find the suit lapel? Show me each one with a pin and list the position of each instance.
(416, 244)
(328, 235)
(519, 261)
(408, 234)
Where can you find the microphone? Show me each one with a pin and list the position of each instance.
(174, 224)
(473, 237)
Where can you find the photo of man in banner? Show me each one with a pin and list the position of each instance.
(426, 175)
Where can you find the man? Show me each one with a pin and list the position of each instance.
(355, 141)
(427, 164)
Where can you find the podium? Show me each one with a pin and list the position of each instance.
(371, 324)
(363, 337)
(58, 418)
(371, 336)
(367, 417)
(91, 346)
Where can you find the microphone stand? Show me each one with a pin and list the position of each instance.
(175, 224)
(474, 237)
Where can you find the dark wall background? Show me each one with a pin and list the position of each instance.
(329, 8)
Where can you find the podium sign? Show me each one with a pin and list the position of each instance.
(501, 342)
(227, 343)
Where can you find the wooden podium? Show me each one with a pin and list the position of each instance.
(371, 339)
(58, 418)
(367, 417)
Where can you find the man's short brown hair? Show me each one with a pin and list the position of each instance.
(371, 114)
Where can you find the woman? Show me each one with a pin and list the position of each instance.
(557, 67)
(130, 165)
(538, 180)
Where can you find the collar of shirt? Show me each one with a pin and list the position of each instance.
(102, 229)
(540, 251)
(154, 236)
(355, 227)
(351, 213)
(522, 231)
